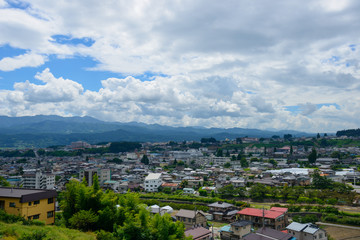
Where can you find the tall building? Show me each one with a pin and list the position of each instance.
(103, 175)
(38, 180)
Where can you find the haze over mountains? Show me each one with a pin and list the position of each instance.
(47, 130)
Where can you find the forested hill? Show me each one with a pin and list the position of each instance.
(349, 133)
(44, 131)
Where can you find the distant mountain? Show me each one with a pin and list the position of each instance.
(43, 131)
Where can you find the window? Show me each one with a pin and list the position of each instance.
(320, 235)
(50, 214)
(50, 200)
(11, 204)
(36, 202)
(36, 216)
(29, 203)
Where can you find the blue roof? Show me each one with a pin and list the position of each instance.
(225, 229)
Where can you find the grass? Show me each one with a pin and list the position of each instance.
(17, 230)
(217, 224)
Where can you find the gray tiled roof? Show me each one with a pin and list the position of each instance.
(220, 205)
(241, 223)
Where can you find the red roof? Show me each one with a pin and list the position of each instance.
(260, 212)
(279, 209)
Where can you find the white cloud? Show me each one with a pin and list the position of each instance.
(229, 64)
(54, 90)
(25, 60)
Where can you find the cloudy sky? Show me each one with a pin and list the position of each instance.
(253, 64)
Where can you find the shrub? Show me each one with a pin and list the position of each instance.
(36, 235)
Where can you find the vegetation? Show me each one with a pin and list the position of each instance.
(114, 216)
(34, 232)
(349, 133)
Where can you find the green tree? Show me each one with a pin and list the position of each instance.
(84, 220)
(227, 165)
(227, 154)
(219, 152)
(96, 184)
(244, 163)
(273, 162)
(321, 182)
(145, 160)
(3, 182)
(258, 191)
(312, 156)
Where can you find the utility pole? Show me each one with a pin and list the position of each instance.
(263, 213)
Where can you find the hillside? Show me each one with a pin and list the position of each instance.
(43, 131)
(19, 231)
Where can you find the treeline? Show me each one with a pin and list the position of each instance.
(113, 216)
(115, 147)
(17, 153)
(349, 133)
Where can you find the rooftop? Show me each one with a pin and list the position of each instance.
(260, 213)
(153, 176)
(27, 195)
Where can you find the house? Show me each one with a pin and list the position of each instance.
(32, 204)
(306, 231)
(209, 189)
(199, 233)
(153, 182)
(269, 234)
(275, 218)
(188, 191)
(172, 186)
(235, 230)
(222, 211)
(191, 218)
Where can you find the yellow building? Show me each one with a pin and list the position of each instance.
(32, 204)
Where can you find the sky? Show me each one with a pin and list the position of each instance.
(251, 64)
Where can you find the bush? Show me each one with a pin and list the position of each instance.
(305, 219)
(36, 235)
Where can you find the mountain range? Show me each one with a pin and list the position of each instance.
(48, 130)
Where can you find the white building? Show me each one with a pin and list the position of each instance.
(152, 182)
(38, 180)
(307, 231)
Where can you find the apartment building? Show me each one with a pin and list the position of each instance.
(104, 174)
(152, 182)
(32, 204)
(38, 180)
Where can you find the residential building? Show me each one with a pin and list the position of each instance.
(275, 218)
(199, 233)
(188, 191)
(306, 231)
(38, 180)
(223, 211)
(32, 204)
(153, 182)
(191, 218)
(104, 174)
(235, 230)
(269, 234)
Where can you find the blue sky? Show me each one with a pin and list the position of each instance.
(184, 63)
